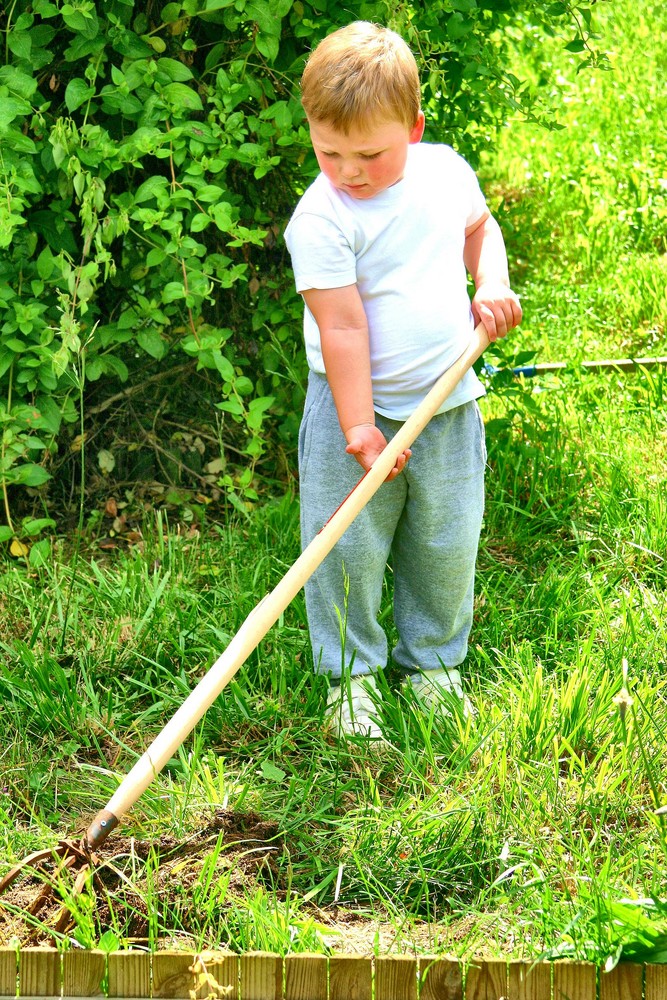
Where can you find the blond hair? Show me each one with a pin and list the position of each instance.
(361, 75)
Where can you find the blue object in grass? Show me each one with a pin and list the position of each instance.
(620, 364)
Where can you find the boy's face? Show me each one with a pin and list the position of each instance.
(365, 161)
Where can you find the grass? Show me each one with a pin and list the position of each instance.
(587, 206)
(527, 829)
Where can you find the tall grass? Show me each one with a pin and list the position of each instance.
(587, 205)
(517, 829)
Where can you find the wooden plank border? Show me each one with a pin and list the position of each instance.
(529, 982)
(40, 972)
(84, 973)
(440, 978)
(129, 975)
(8, 971)
(33, 973)
(306, 977)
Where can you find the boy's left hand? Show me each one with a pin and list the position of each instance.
(497, 307)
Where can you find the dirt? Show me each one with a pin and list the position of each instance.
(147, 893)
(127, 875)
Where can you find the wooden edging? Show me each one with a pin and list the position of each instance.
(134, 975)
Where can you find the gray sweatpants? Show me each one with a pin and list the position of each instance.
(426, 524)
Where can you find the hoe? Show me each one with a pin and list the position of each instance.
(68, 854)
(80, 856)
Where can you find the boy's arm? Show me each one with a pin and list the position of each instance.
(340, 316)
(494, 302)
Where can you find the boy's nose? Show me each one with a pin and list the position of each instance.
(350, 169)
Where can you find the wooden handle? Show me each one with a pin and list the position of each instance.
(267, 612)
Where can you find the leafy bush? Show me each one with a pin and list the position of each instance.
(150, 158)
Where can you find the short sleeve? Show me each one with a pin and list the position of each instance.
(321, 255)
(476, 201)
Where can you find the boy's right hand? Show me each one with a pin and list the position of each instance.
(366, 442)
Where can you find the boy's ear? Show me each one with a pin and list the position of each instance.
(417, 129)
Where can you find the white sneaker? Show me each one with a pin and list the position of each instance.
(352, 708)
(435, 689)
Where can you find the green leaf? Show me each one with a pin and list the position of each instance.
(281, 8)
(117, 367)
(50, 417)
(5, 533)
(95, 368)
(83, 47)
(459, 27)
(199, 222)
(172, 291)
(272, 772)
(109, 942)
(44, 8)
(152, 343)
(81, 19)
(230, 406)
(129, 44)
(35, 525)
(16, 344)
(77, 93)
(174, 69)
(280, 113)
(256, 410)
(261, 403)
(223, 365)
(155, 257)
(128, 319)
(182, 97)
(268, 46)
(45, 264)
(13, 139)
(11, 108)
(260, 12)
(6, 360)
(150, 189)
(30, 475)
(209, 193)
(33, 443)
(18, 82)
(222, 215)
(20, 43)
(171, 12)
(40, 552)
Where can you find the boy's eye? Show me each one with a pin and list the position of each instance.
(333, 155)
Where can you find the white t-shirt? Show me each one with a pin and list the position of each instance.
(403, 248)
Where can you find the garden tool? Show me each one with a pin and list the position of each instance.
(81, 855)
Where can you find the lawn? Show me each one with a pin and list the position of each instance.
(527, 829)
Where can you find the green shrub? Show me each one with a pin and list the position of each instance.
(150, 158)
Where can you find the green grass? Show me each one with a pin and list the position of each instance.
(586, 207)
(519, 830)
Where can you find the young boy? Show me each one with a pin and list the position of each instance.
(380, 244)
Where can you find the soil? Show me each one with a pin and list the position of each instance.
(128, 875)
(126, 872)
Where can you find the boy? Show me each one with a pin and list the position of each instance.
(380, 244)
